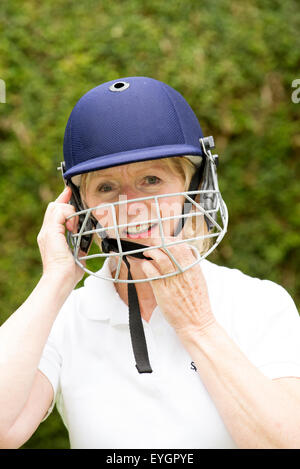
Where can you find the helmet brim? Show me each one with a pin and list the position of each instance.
(132, 156)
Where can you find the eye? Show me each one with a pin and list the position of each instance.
(152, 180)
(105, 187)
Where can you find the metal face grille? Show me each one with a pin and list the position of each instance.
(214, 215)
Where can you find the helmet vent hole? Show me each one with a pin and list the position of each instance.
(119, 86)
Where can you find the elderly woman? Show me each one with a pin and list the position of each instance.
(160, 348)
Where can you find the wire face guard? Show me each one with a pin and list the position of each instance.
(116, 238)
(215, 216)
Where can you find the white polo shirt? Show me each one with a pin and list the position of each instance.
(104, 401)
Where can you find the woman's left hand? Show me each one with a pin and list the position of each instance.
(183, 298)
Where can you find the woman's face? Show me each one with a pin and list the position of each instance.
(133, 181)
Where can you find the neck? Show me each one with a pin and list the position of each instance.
(144, 290)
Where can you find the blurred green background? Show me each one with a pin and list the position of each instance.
(234, 62)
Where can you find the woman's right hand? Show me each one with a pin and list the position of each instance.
(56, 255)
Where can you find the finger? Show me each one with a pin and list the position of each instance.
(71, 224)
(65, 196)
(179, 256)
(150, 270)
(163, 262)
(57, 213)
(183, 252)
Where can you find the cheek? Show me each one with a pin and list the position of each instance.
(88, 200)
(104, 217)
(171, 207)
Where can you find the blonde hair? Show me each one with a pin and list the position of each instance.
(182, 166)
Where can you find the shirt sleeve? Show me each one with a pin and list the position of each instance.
(268, 330)
(51, 360)
(50, 365)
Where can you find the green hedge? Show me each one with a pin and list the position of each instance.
(233, 61)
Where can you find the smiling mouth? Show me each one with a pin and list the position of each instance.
(140, 231)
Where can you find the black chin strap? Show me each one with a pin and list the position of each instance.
(136, 329)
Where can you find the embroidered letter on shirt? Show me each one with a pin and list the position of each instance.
(193, 366)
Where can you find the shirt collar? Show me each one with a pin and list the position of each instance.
(101, 300)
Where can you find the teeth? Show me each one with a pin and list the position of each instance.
(138, 228)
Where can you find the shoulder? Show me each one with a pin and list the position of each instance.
(92, 300)
(243, 286)
(259, 315)
(239, 299)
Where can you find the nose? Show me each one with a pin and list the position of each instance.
(131, 210)
(133, 206)
(130, 193)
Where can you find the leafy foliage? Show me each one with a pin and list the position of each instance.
(233, 61)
